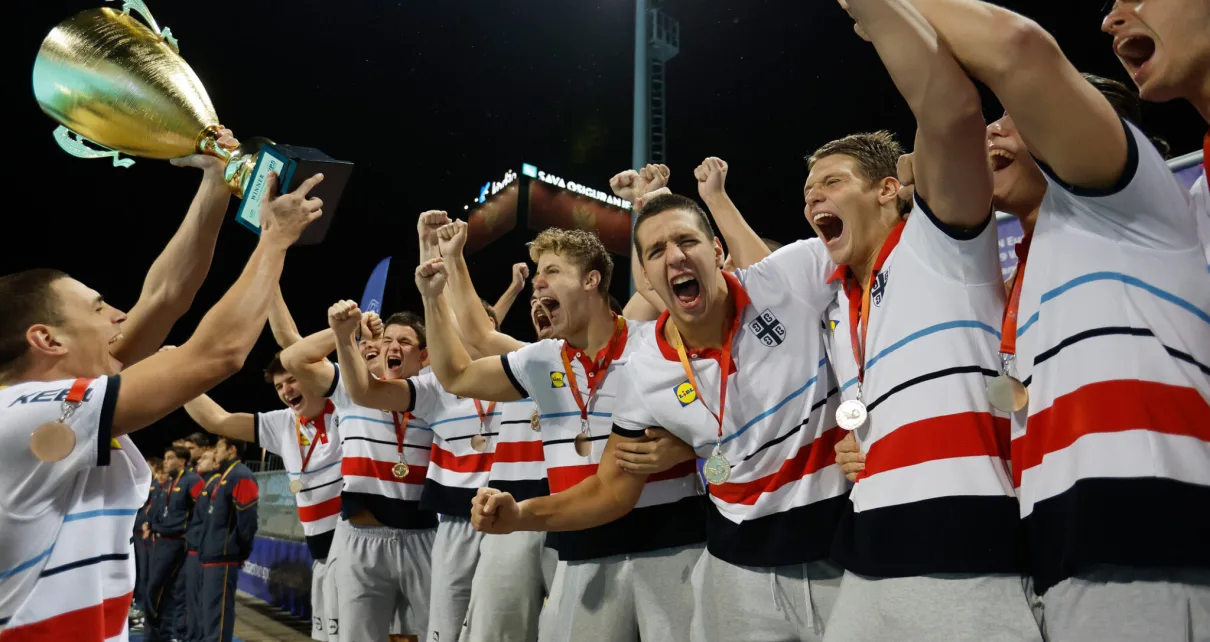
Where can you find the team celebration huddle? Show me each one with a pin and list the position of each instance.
(865, 435)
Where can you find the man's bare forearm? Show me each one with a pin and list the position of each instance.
(586, 505)
(447, 356)
(745, 245)
(281, 322)
(506, 301)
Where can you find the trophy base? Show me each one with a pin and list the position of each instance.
(294, 165)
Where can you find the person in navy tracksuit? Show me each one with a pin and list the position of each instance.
(142, 537)
(193, 541)
(230, 527)
(169, 517)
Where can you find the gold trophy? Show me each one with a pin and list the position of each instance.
(118, 86)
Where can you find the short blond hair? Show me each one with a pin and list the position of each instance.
(580, 248)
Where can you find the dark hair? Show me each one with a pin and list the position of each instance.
(237, 444)
(411, 320)
(26, 299)
(198, 439)
(274, 368)
(491, 312)
(1127, 103)
(615, 306)
(876, 154)
(667, 203)
(181, 452)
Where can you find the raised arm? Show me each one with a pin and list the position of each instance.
(177, 274)
(344, 317)
(483, 378)
(167, 380)
(217, 421)
(308, 361)
(950, 162)
(608, 495)
(634, 186)
(743, 243)
(475, 327)
(515, 288)
(281, 323)
(1065, 121)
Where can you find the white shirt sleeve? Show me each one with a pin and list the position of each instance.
(963, 256)
(630, 414)
(427, 394)
(529, 367)
(338, 394)
(801, 268)
(1148, 207)
(275, 429)
(26, 483)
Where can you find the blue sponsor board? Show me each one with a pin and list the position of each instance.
(279, 572)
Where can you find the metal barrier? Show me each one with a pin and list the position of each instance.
(277, 513)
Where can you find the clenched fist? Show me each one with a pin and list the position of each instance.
(371, 326)
(495, 512)
(451, 238)
(428, 224)
(711, 177)
(430, 278)
(632, 185)
(850, 457)
(344, 317)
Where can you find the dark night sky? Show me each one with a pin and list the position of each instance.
(431, 99)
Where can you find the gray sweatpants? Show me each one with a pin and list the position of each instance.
(512, 580)
(382, 573)
(319, 623)
(950, 607)
(623, 598)
(762, 604)
(455, 555)
(1118, 603)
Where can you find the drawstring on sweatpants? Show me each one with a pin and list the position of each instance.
(806, 590)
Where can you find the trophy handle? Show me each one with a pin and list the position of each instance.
(141, 8)
(74, 144)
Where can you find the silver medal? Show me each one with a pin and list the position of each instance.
(851, 414)
(717, 470)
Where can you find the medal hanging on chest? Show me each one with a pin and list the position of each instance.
(321, 434)
(583, 440)
(401, 469)
(54, 440)
(717, 469)
(1005, 392)
(479, 441)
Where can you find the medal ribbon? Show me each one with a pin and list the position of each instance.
(1206, 150)
(1008, 324)
(401, 429)
(724, 367)
(862, 305)
(321, 433)
(171, 486)
(483, 415)
(601, 368)
(214, 493)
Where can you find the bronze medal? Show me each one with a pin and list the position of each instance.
(1007, 394)
(52, 441)
(479, 443)
(296, 486)
(400, 470)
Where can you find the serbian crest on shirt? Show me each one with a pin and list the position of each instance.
(768, 329)
(879, 287)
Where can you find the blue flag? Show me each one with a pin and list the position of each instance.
(371, 299)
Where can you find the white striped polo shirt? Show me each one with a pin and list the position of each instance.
(283, 433)
(66, 568)
(1199, 195)
(519, 467)
(786, 493)
(936, 471)
(369, 450)
(456, 471)
(670, 511)
(1114, 346)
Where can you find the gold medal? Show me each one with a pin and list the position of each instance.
(400, 470)
(535, 421)
(296, 486)
(1007, 394)
(717, 470)
(479, 443)
(52, 441)
(583, 446)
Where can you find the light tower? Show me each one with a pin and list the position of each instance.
(657, 38)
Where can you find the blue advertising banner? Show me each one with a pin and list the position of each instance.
(371, 298)
(279, 572)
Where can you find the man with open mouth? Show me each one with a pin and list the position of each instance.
(1165, 46)
(1110, 317)
(306, 436)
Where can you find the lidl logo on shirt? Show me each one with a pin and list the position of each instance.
(685, 393)
(557, 380)
(768, 329)
(879, 288)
